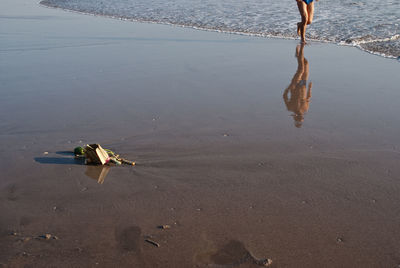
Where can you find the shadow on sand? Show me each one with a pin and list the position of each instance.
(59, 160)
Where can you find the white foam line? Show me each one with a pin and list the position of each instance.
(360, 42)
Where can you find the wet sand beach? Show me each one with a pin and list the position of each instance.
(237, 155)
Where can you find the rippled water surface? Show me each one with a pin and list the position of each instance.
(370, 25)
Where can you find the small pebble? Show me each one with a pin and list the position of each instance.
(226, 135)
(339, 240)
(45, 153)
(165, 226)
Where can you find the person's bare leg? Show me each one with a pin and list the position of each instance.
(304, 19)
(298, 28)
(310, 12)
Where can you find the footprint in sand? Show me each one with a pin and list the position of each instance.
(11, 192)
(129, 238)
(235, 254)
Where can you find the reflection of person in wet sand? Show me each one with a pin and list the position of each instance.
(299, 100)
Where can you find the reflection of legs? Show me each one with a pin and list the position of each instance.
(304, 76)
(303, 62)
(301, 26)
(309, 91)
(297, 77)
(300, 51)
(300, 64)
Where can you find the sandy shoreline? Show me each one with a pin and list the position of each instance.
(219, 157)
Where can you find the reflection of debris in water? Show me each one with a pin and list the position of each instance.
(234, 254)
(99, 173)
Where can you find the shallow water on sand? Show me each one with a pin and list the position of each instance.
(371, 25)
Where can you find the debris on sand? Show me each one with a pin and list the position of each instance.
(154, 243)
(48, 237)
(45, 236)
(94, 154)
(165, 226)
